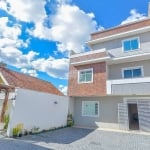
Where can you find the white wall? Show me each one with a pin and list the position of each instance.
(38, 109)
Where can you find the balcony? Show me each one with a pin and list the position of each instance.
(134, 86)
(89, 57)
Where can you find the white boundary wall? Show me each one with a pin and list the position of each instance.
(43, 110)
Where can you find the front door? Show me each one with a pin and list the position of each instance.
(133, 117)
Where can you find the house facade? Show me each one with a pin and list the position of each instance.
(109, 86)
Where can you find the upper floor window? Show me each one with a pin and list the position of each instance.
(131, 44)
(85, 76)
(133, 72)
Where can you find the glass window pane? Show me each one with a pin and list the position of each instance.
(126, 45)
(82, 77)
(90, 108)
(127, 73)
(89, 76)
(137, 72)
(134, 44)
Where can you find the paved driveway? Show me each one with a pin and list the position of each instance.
(78, 139)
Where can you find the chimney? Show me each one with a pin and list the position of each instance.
(148, 9)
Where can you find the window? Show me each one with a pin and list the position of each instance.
(85, 76)
(132, 72)
(90, 108)
(130, 44)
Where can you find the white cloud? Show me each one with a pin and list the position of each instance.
(134, 16)
(57, 68)
(25, 10)
(63, 89)
(70, 27)
(31, 72)
(10, 32)
(10, 44)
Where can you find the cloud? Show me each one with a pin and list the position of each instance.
(25, 10)
(29, 63)
(63, 89)
(70, 28)
(134, 16)
(10, 44)
(31, 72)
(10, 32)
(57, 68)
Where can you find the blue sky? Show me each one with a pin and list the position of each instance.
(36, 36)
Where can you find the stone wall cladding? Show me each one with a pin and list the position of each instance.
(120, 29)
(97, 88)
(88, 57)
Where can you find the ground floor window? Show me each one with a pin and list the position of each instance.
(90, 108)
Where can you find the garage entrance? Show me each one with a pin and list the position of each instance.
(134, 114)
(133, 117)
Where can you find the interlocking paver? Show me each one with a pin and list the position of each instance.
(78, 139)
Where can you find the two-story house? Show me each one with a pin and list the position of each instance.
(109, 86)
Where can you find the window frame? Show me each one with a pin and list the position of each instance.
(83, 115)
(129, 39)
(84, 70)
(132, 68)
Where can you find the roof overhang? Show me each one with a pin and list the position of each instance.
(132, 58)
(119, 35)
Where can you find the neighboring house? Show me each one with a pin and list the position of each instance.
(30, 103)
(11, 80)
(109, 86)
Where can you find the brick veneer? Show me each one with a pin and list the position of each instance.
(97, 88)
(119, 29)
(88, 57)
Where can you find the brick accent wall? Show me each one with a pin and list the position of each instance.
(120, 29)
(88, 57)
(97, 88)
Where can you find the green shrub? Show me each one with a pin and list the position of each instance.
(6, 121)
(15, 132)
(70, 121)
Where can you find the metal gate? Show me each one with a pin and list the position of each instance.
(123, 116)
(144, 115)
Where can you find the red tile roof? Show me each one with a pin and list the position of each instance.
(21, 80)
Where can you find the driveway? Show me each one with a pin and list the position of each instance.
(78, 139)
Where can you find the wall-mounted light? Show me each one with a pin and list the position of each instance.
(55, 102)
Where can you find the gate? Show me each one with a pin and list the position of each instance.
(123, 116)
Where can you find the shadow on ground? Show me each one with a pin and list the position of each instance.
(12, 144)
(60, 136)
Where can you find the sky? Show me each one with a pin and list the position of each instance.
(36, 36)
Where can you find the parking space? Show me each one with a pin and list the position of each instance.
(78, 139)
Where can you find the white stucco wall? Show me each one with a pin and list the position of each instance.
(38, 109)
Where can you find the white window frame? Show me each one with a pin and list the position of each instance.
(131, 68)
(84, 70)
(129, 39)
(83, 102)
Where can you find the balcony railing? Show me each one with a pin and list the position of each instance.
(134, 86)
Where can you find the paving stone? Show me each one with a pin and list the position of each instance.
(78, 139)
